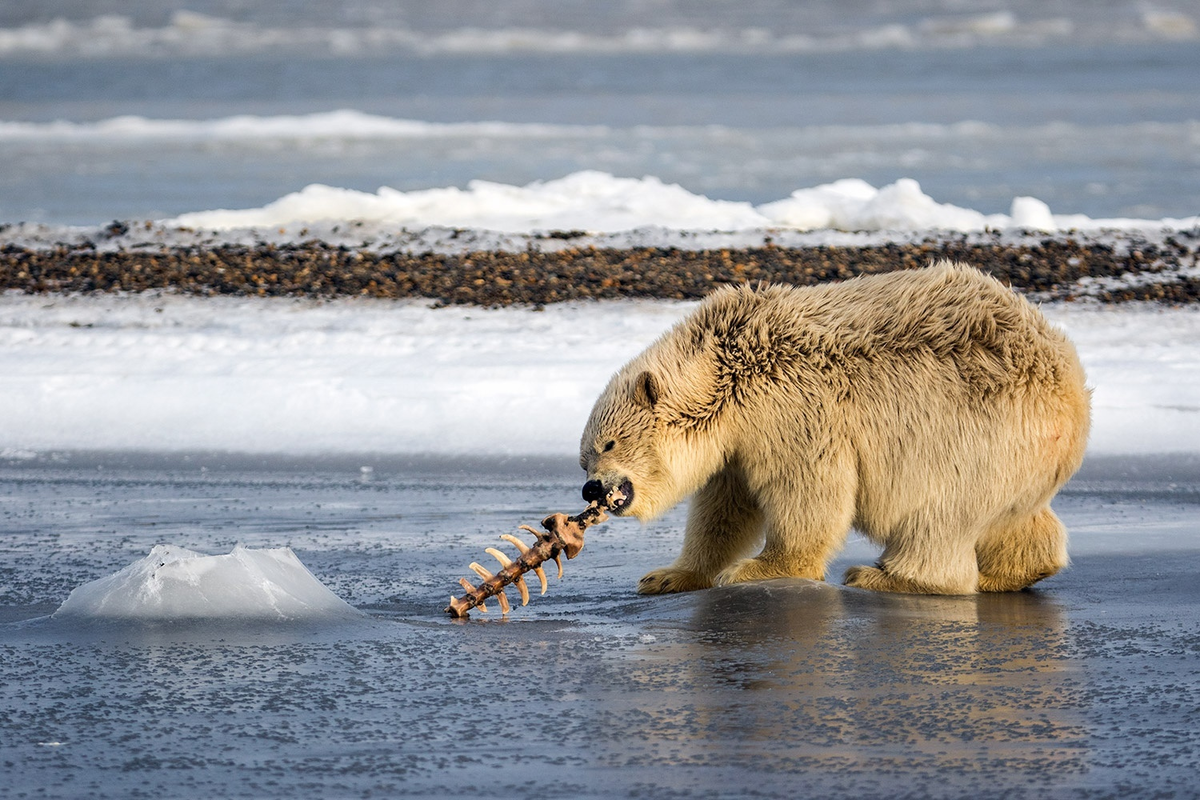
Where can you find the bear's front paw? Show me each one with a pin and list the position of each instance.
(670, 579)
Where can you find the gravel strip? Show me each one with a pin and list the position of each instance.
(1053, 268)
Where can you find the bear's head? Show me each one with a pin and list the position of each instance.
(620, 448)
(658, 432)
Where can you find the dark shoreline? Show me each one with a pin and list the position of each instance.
(1050, 268)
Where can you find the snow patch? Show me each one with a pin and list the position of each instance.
(170, 373)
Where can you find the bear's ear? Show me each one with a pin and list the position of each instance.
(646, 389)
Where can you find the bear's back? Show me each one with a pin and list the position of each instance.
(948, 314)
(939, 307)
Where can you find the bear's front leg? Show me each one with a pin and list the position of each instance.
(876, 580)
(807, 518)
(724, 523)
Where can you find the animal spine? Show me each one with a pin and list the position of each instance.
(562, 535)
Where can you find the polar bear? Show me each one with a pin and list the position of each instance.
(934, 410)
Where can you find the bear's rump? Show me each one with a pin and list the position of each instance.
(928, 443)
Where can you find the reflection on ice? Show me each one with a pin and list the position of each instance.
(172, 583)
(839, 677)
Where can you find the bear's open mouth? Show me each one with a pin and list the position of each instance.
(624, 496)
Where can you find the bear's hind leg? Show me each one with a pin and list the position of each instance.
(724, 524)
(1013, 556)
(927, 554)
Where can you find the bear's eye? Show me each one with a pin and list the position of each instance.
(609, 446)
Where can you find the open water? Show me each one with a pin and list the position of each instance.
(1091, 107)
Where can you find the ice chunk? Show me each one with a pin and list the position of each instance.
(903, 206)
(826, 206)
(1031, 214)
(854, 205)
(173, 583)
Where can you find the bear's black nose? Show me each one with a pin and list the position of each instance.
(593, 490)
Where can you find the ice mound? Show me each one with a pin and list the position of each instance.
(172, 583)
(600, 203)
(587, 200)
(855, 205)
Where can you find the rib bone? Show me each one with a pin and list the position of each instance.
(523, 549)
(466, 584)
(515, 542)
(523, 589)
(519, 582)
(503, 559)
(562, 535)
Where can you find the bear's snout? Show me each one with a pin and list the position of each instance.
(592, 491)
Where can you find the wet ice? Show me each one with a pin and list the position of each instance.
(1084, 684)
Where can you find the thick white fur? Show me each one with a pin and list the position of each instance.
(934, 410)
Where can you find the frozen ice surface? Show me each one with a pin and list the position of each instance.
(1085, 687)
(174, 583)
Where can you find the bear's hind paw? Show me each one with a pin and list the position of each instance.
(877, 580)
(872, 578)
(1012, 583)
(670, 579)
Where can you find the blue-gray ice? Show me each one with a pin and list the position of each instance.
(1087, 686)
